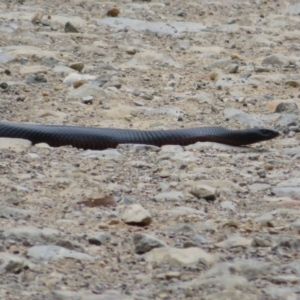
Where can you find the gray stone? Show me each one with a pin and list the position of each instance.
(172, 28)
(295, 226)
(286, 107)
(10, 263)
(53, 253)
(184, 211)
(232, 68)
(276, 60)
(6, 58)
(99, 239)
(293, 10)
(31, 234)
(12, 212)
(69, 27)
(286, 119)
(170, 196)
(108, 154)
(292, 192)
(146, 242)
(228, 205)
(146, 58)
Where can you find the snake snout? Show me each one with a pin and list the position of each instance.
(269, 133)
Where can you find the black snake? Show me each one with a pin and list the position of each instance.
(103, 138)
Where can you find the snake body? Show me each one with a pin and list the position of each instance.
(103, 138)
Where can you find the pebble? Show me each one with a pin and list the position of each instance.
(204, 191)
(113, 12)
(69, 27)
(78, 66)
(99, 239)
(144, 243)
(135, 214)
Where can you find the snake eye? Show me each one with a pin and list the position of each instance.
(264, 131)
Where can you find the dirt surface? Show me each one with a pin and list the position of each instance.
(206, 221)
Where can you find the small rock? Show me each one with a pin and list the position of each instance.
(3, 86)
(287, 107)
(77, 66)
(232, 69)
(87, 99)
(113, 12)
(131, 51)
(69, 27)
(170, 196)
(293, 83)
(79, 83)
(145, 243)
(204, 192)
(228, 205)
(99, 239)
(234, 241)
(37, 18)
(35, 79)
(275, 60)
(135, 214)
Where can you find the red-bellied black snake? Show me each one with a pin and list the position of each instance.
(103, 138)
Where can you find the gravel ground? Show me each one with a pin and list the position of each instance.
(205, 221)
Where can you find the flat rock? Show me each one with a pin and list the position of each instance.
(53, 253)
(172, 28)
(33, 70)
(179, 257)
(109, 154)
(222, 185)
(12, 212)
(169, 196)
(220, 147)
(293, 10)
(63, 70)
(29, 51)
(292, 192)
(234, 241)
(147, 58)
(73, 77)
(16, 145)
(6, 58)
(86, 90)
(31, 234)
(183, 211)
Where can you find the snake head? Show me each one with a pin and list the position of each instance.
(257, 135)
(268, 134)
